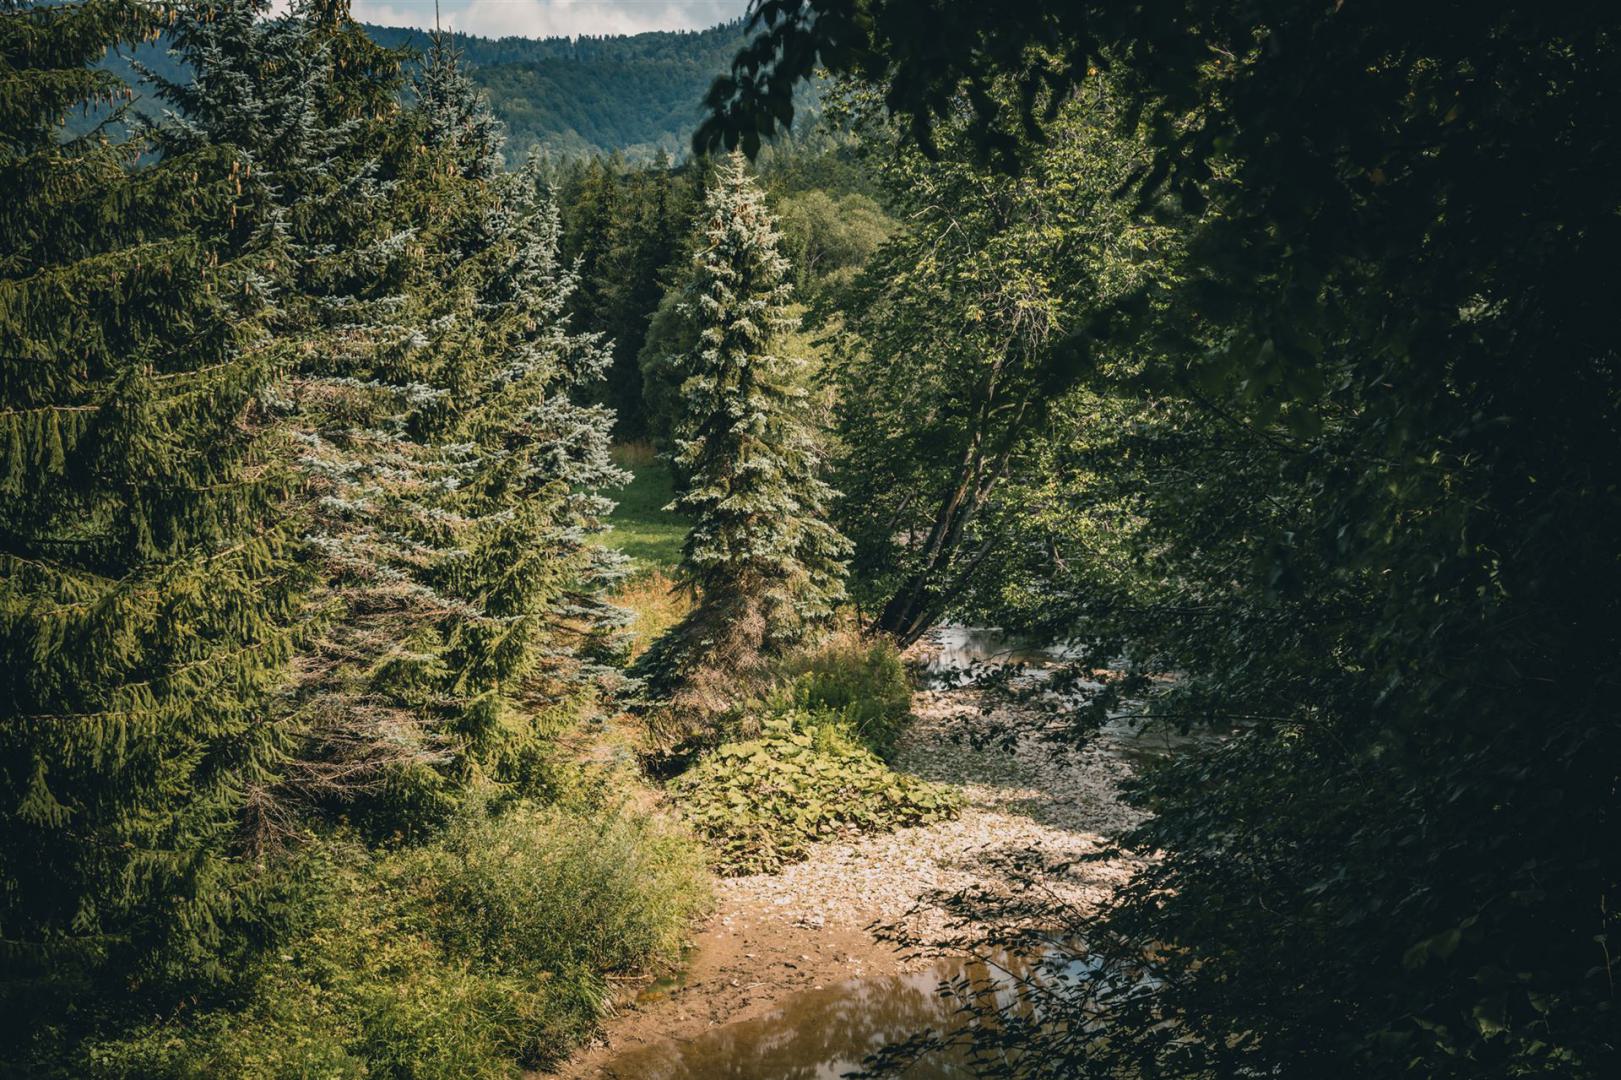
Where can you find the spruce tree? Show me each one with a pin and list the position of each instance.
(447, 464)
(523, 565)
(336, 166)
(456, 115)
(763, 562)
(148, 599)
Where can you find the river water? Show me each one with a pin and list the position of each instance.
(964, 651)
(826, 1033)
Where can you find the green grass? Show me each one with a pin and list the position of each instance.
(485, 952)
(640, 526)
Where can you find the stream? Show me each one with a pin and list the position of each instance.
(963, 650)
(826, 1032)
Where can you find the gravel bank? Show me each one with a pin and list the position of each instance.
(1034, 797)
(811, 925)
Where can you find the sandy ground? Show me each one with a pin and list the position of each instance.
(812, 924)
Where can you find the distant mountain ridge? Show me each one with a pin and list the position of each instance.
(636, 94)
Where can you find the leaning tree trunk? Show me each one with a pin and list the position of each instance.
(920, 600)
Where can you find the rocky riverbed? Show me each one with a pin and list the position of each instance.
(814, 923)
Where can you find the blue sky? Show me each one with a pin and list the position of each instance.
(548, 18)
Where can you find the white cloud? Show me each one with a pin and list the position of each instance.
(551, 18)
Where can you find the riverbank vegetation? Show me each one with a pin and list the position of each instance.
(422, 567)
(805, 762)
(1320, 444)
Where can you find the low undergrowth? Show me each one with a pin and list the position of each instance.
(804, 762)
(655, 604)
(762, 802)
(468, 957)
(860, 682)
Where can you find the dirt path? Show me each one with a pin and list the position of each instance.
(773, 935)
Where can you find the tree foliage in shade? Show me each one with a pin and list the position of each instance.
(625, 227)
(947, 362)
(149, 600)
(761, 558)
(1378, 511)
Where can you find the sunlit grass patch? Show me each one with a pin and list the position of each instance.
(657, 605)
(634, 456)
(640, 526)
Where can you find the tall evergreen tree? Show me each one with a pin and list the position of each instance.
(149, 602)
(447, 464)
(529, 455)
(313, 107)
(456, 114)
(761, 558)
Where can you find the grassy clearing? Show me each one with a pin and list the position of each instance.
(657, 605)
(640, 526)
(651, 536)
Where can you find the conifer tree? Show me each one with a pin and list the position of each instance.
(337, 168)
(764, 564)
(456, 115)
(447, 464)
(530, 456)
(148, 599)
(627, 228)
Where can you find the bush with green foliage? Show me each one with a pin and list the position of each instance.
(463, 958)
(762, 802)
(860, 682)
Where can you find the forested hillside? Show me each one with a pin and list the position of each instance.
(636, 94)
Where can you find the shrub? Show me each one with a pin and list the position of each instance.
(618, 892)
(763, 801)
(463, 958)
(861, 681)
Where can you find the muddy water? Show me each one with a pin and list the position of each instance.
(826, 1033)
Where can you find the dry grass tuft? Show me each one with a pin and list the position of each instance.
(658, 605)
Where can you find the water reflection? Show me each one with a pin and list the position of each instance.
(823, 1034)
(966, 652)
(963, 648)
